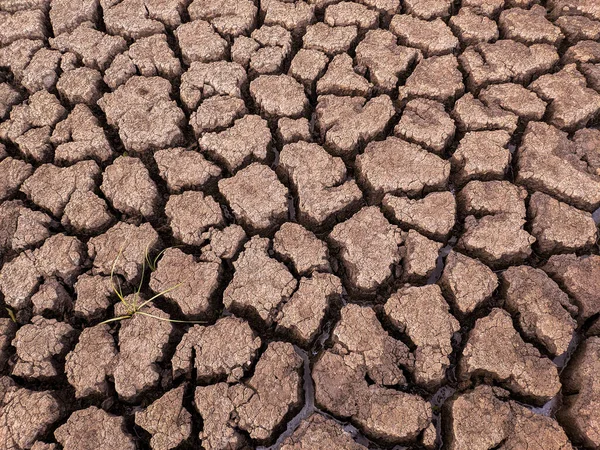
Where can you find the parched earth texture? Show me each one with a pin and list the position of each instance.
(346, 225)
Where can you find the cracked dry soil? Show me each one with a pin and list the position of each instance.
(372, 224)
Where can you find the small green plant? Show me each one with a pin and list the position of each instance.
(152, 262)
(11, 314)
(135, 306)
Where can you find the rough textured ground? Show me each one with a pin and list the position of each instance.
(367, 224)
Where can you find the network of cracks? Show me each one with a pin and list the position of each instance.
(299, 225)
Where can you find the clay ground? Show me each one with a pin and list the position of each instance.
(299, 225)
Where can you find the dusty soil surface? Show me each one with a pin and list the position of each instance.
(299, 224)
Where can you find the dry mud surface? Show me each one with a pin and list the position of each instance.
(344, 225)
